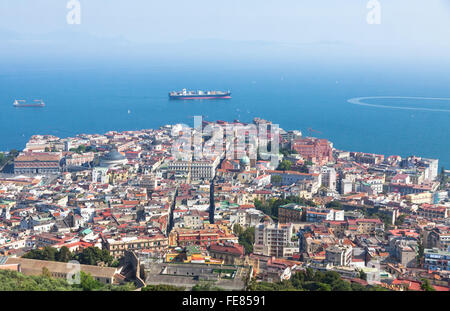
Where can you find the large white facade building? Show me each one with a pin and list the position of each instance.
(271, 239)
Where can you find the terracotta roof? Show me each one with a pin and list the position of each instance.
(37, 156)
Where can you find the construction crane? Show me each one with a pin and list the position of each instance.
(311, 130)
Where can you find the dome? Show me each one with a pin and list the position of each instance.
(113, 155)
(244, 161)
(113, 158)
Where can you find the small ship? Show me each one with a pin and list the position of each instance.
(23, 103)
(184, 94)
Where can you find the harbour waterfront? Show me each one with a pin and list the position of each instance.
(97, 100)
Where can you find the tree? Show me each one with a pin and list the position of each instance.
(88, 283)
(357, 287)
(206, 286)
(246, 237)
(335, 205)
(16, 281)
(93, 256)
(302, 169)
(64, 255)
(317, 286)
(271, 206)
(49, 253)
(310, 280)
(88, 256)
(426, 286)
(443, 179)
(420, 252)
(287, 151)
(362, 275)
(46, 273)
(400, 220)
(237, 229)
(162, 287)
(13, 153)
(285, 165)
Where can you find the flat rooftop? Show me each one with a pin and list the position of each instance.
(188, 275)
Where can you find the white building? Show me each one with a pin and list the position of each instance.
(328, 177)
(198, 169)
(271, 239)
(346, 186)
(339, 255)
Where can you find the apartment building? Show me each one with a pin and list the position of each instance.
(271, 239)
(290, 213)
(339, 255)
(437, 260)
(322, 214)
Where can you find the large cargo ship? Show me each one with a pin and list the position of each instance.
(184, 94)
(23, 103)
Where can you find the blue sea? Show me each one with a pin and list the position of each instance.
(98, 98)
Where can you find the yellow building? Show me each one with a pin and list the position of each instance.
(420, 198)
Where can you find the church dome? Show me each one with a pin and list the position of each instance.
(113, 155)
(113, 158)
(244, 161)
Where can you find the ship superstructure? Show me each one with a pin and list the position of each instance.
(185, 94)
(23, 103)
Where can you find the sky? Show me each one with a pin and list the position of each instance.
(335, 30)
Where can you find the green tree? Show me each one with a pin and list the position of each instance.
(362, 275)
(93, 256)
(271, 206)
(443, 179)
(46, 273)
(302, 169)
(335, 205)
(246, 237)
(49, 253)
(237, 229)
(88, 283)
(285, 165)
(16, 281)
(64, 255)
(420, 252)
(426, 286)
(400, 220)
(13, 153)
(162, 287)
(206, 286)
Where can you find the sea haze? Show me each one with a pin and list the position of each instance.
(96, 99)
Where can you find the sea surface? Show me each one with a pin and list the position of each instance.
(97, 99)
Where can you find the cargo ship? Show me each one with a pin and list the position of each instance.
(23, 103)
(184, 94)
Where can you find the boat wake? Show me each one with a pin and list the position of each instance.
(360, 101)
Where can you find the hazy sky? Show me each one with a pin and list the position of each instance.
(409, 28)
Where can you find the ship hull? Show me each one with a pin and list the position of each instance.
(38, 106)
(191, 97)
